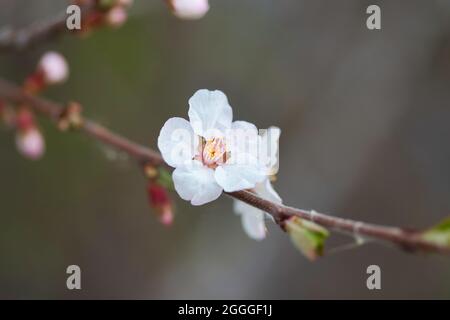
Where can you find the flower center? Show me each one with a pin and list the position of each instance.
(214, 152)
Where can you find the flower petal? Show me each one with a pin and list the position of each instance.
(242, 138)
(31, 143)
(268, 155)
(265, 190)
(194, 182)
(54, 66)
(177, 142)
(243, 125)
(189, 9)
(209, 113)
(253, 218)
(254, 225)
(240, 174)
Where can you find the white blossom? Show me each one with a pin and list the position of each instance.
(202, 151)
(54, 67)
(212, 154)
(116, 16)
(30, 143)
(189, 9)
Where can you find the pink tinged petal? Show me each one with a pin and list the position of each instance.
(195, 182)
(240, 174)
(30, 144)
(54, 67)
(189, 9)
(177, 142)
(209, 113)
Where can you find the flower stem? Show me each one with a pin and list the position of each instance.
(407, 240)
(20, 39)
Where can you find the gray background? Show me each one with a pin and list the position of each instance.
(365, 135)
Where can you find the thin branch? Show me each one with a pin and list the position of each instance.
(19, 39)
(407, 240)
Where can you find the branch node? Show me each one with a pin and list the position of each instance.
(70, 117)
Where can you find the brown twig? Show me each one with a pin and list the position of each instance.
(407, 240)
(19, 39)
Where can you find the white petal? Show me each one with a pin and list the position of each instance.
(265, 190)
(242, 174)
(190, 9)
(31, 144)
(242, 138)
(254, 225)
(177, 142)
(209, 113)
(54, 66)
(116, 16)
(243, 125)
(268, 155)
(195, 182)
(253, 218)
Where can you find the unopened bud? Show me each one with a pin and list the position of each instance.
(307, 236)
(160, 201)
(166, 216)
(35, 82)
(116, 17)
(30, 143)
(189, 9)
(24, 120)
(150, 171)
(53, 67)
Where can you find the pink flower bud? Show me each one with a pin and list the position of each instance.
(24, 120)
(116, 16)
(159, 200)
(30, 143)
(53, 67)
(166, 216)
(189, 9)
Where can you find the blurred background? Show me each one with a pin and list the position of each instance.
(365, 135)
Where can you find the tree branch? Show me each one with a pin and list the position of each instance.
(20, 39)
(407, 240)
